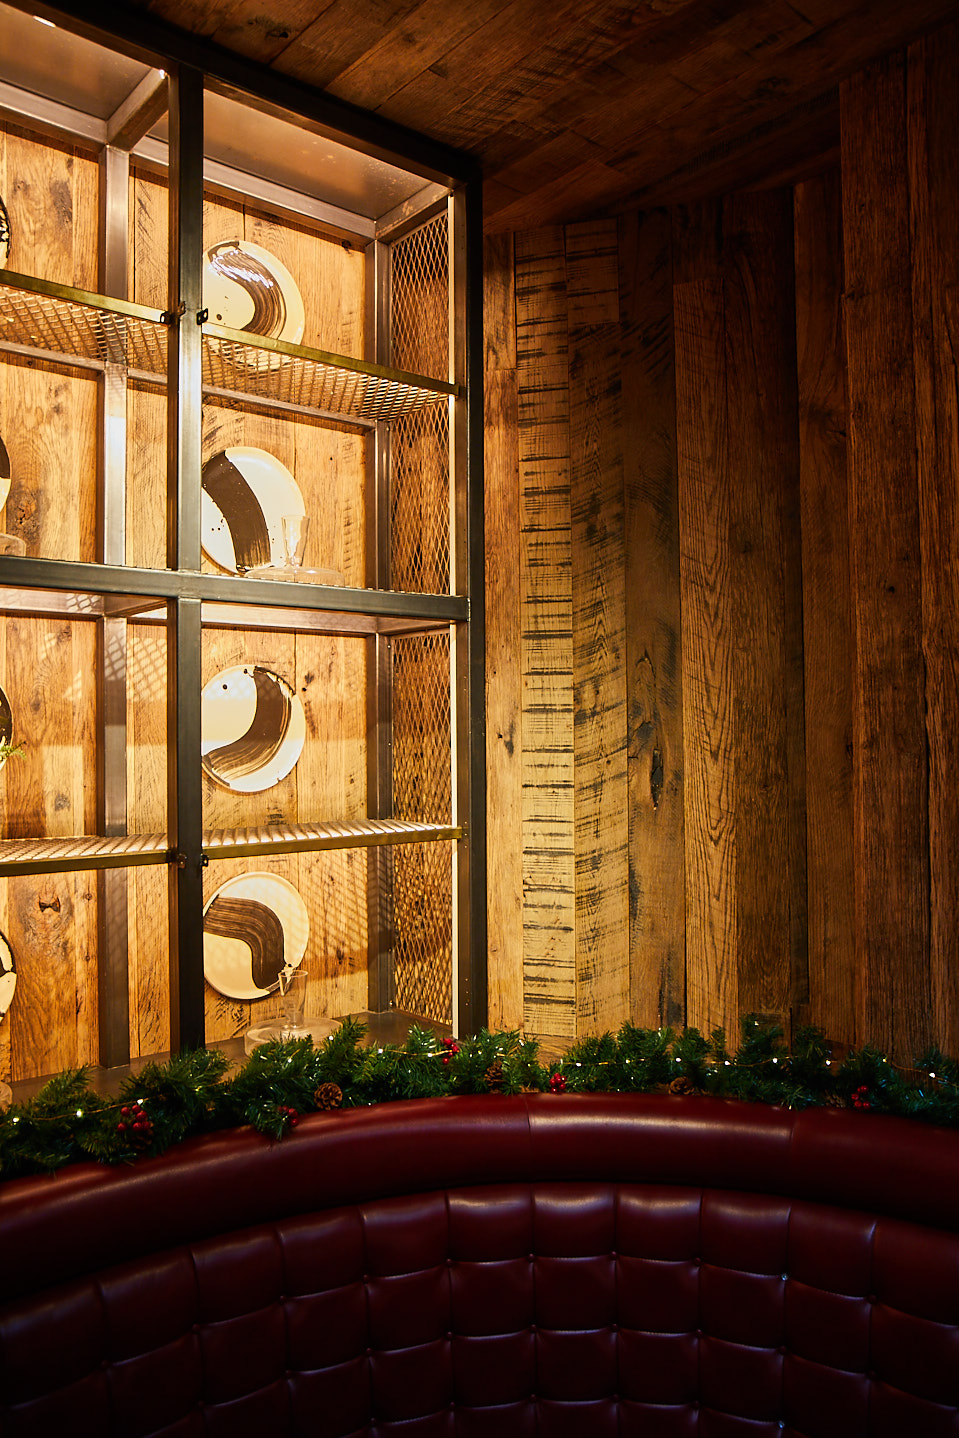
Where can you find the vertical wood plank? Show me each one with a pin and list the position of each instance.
(549, 920)
(827, 614)
(769, 792)
(504, 753)
(933, 120)
(599, 628)
(712, 992)
(657, 887)
(891, 817)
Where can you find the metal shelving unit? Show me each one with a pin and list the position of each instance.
(179, 351)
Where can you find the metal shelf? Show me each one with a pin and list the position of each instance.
(272, 371)
(365, 834)
(55, 856)
(65, 325)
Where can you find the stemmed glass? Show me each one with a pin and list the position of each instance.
(296, 527)
(292, 1002)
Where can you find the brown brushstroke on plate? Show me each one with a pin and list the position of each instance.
(255, 925)
(261, 742)
(6, 719)
(227, 487)
(269, 306)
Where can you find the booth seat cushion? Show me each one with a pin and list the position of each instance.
(562, 1299)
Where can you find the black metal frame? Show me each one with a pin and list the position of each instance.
(192, 64)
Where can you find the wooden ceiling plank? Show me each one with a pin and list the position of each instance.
(585, 191)
(512, 66)
(341, 33)
(422, 39)
(259, 31)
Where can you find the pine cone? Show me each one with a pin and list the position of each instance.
(328, 1095)
(682, 1086)
(494, 1076)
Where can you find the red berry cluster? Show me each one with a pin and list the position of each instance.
(289, 1115)
(557, 1084)
(451, 1047)
(135, 1126)
(860, 1098)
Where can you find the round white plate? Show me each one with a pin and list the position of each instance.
(247, 288)
(6, 737)
(4, 236)
(252, 728)
(253, 927)
(8, 975)
(245, 494)
(4, 456)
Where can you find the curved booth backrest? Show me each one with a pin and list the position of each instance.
(557, 1267)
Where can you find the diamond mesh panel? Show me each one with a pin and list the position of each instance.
(68, 327)
(420, 484)
(267, 373)
(422, 786)
(420, 299)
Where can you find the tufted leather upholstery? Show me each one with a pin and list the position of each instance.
(557, 1267)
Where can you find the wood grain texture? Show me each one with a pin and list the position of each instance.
(148, 251)
(829, 641)
(549, 918)
(599, 628)
(49, 678)
(932, 119)
(657, 889)
(769, 796)
(50, 191)
(504, 754)
(891, 814)
(48, 416)
(712, 990)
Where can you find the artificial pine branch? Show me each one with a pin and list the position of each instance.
(68, 1121)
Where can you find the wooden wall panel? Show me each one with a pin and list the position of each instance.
(549, 918)
(50, 191)
(48, 417)
(808, 865)
(891, 817)
(712, 992)
(768, 794)
(657, 887)
(504, 725)
(599, 627)
(50, 920)
(827, 615)
(933, 122)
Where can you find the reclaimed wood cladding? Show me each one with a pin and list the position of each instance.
(654, 717)
(743, 585)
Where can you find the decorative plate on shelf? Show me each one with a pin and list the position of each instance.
(246, 492)
(8, 975)
(252, 728)
(247, 288)
(253, 927)
(4, 235)
(5, 473)
(6, 724)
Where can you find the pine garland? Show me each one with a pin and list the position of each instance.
(68, 1121)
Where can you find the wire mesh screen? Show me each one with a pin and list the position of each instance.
(66, 327)
(420, 482)
(422, 788)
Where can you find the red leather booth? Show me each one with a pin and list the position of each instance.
(530, 1267)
